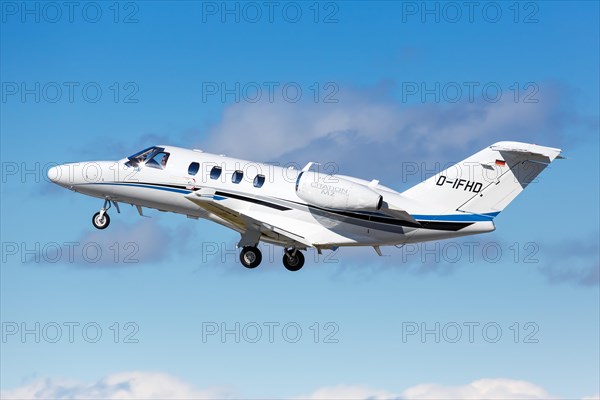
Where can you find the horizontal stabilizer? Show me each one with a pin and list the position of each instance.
(527, 149)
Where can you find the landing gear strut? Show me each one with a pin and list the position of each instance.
(100, 220)
(293, 259)
(250, 256)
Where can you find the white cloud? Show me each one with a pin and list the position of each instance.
(369, 134)
(126, 385)
(593, 397)
(266, 131)
(480, 389)
(153, 385)
(350, 392)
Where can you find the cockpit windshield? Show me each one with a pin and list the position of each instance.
(142, 156)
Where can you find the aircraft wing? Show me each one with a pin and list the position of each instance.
(398, 213)
(249, 223)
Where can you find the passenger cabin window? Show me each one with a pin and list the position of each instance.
(237, 176)
(193, 168)
(215, 172)
(158, 161)
(259, 180)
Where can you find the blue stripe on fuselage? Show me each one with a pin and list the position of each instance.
(457, 217)
(168, 189)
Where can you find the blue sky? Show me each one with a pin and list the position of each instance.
(387, 102)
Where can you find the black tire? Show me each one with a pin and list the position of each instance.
(250, 257)
(293, 262)
(100, 223)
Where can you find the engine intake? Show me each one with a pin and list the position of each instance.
(330, 191)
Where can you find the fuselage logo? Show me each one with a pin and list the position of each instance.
(329, 190)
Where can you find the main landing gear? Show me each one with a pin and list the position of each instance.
(101, 220)
(250, 257)
(293, 259)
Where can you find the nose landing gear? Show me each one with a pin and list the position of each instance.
(101, 220)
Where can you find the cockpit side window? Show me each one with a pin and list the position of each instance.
(159, 160)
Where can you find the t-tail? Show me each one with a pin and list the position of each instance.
(486, 182)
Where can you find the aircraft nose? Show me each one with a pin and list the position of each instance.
(54, 174)
(61, 175)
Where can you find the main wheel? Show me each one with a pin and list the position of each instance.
(250, 257)
(100, 223)
(291, 261)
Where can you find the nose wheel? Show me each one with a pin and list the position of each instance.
(101, 220)
(293, 259)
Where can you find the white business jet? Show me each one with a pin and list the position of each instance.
(301, 209)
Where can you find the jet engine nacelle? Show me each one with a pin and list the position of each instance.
(330, 191)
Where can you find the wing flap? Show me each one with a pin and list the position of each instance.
(205, 198)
